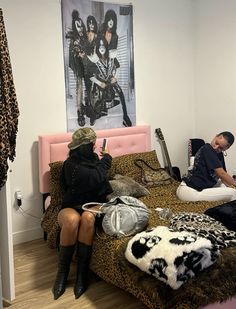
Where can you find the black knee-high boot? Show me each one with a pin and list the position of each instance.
(65, 256)
(81, 283)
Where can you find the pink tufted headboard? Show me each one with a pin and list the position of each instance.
(120, 141)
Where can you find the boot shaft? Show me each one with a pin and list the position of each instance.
(84, 253)
(83, 258)
(64, 261)
(65, 256)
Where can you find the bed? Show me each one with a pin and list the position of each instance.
(213, 288)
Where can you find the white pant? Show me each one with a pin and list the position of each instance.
(218, 193)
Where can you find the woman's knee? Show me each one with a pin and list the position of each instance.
(88, 220)
(181, 192)
(69, 217)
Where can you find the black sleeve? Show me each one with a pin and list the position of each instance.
(96, 175)
(106, 161)
(91, 69)
(86, 177)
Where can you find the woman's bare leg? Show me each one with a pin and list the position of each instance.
(86, 229)
(85, 240)
(69, 221)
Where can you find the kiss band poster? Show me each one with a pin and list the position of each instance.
(99, 64)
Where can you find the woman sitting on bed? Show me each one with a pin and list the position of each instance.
(208, 179)
(84, 178)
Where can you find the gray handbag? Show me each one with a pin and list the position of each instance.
(123, 215)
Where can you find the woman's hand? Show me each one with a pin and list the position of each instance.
(103, 152)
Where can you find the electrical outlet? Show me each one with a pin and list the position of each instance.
(18, 196)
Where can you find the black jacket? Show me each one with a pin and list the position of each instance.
(85, 182)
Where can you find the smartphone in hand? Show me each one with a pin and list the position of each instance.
(104, 144)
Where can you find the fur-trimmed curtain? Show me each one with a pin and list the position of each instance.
(9, 112)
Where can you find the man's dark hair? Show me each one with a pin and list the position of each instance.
(110, 14)
(228, 136)
(93, 19)
(75, 17)
(99, 43)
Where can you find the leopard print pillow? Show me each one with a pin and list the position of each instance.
(124, 165)
(56, 190)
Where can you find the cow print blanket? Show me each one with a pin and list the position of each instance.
(171, 256)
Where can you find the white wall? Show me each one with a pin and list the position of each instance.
(35, 43)
(7, 282)
(215, 105)
(163, 33)
(163, 50)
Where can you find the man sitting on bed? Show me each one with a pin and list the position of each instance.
(208, 179)
(84, 178)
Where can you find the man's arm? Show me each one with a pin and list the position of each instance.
(225, 177)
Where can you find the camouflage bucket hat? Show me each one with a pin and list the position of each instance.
(81, 137)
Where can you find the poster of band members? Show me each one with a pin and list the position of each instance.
(99, 64)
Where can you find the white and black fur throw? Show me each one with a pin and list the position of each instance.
(171, 256)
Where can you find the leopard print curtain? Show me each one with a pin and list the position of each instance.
(9, 112)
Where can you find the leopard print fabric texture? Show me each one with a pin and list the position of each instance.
(108, 260)
(9, 112)
(204, 226)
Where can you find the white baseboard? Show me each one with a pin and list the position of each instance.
(6, 303)
(27, 235)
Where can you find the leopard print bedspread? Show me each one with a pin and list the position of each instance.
(109, 263)
(9, 112)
